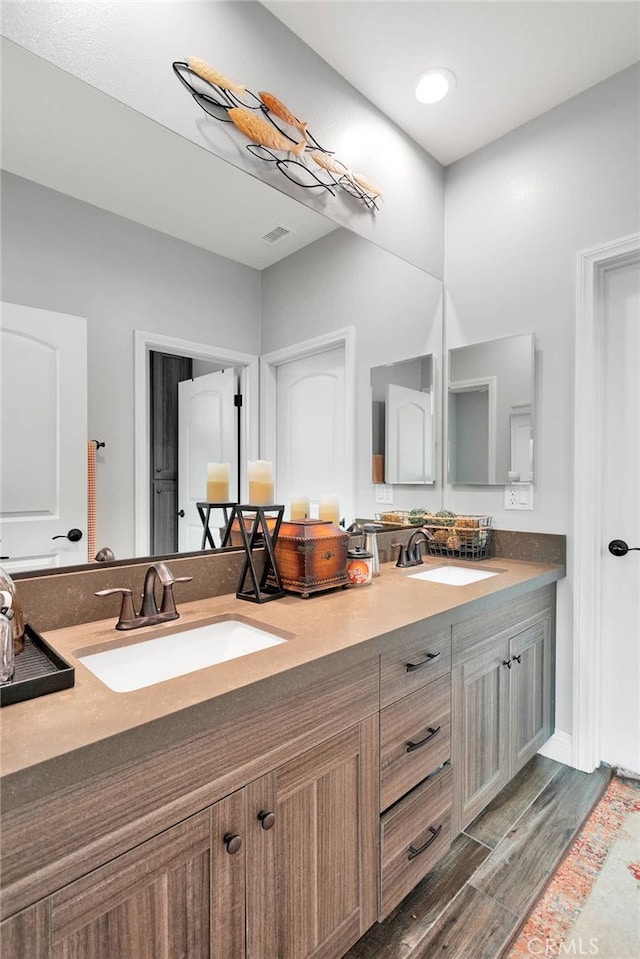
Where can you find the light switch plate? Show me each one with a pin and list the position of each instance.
(384, 493)
(518, 496)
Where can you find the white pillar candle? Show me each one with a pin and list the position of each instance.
(300, 507)
(218, 482)
(330, 509)
(260, 474)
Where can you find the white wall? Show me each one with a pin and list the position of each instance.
(64, 255)
(396, 309)
(517, 213)
(126, 50)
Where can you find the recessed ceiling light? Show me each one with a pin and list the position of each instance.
(434, 85)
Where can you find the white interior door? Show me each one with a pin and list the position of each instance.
(409, 436)
(620, 656)
(207, 433)
(43, 438)
(311, 429)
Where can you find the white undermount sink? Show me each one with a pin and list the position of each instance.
(454, 575)
(139, 662)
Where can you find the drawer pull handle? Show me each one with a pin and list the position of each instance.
(432, 732)
(435, 832)
(423, 662)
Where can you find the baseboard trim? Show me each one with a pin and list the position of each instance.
(559, 747)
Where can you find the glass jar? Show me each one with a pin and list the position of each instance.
(17, 621)
(359, 566)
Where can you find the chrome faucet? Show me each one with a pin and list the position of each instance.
(149, 614)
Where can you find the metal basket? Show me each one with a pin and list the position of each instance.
(465, 537)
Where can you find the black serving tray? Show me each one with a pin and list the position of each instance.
(39, 670)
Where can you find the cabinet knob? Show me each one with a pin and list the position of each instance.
(267, 819)
(507, 663)
(233, 843)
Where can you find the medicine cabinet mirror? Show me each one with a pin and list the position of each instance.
(403, 441)
(490, 412)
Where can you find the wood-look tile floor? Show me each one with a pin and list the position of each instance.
(475, 901)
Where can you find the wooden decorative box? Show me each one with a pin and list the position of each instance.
(312, 556)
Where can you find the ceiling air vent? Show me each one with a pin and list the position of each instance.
(278, 233)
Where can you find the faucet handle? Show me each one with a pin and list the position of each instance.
(127, 613)
(168, 601)
(403, 556)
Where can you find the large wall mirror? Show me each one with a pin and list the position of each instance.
(490, 412)
(403, 421)
(90, 148)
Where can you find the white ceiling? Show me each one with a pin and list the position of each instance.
(513, 59)
(123, 162)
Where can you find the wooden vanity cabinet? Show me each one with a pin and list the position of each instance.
(284, 867)
(145, 863)
(415, 753)
(152, 901)
(302, 881)
(502, 697)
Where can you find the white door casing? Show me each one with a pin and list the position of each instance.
(307, 412)
(144, 343)
(590, 537)
(206, 434)
(43, 438)
(620, 658)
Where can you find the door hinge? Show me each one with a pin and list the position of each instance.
(237, 399)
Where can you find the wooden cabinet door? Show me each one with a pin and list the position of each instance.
(480, 733)
(27, 934)
(326, 848)
(531, 710)
(150, 903)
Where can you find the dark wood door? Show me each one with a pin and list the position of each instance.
(166, 372)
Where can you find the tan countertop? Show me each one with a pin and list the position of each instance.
(89, 725)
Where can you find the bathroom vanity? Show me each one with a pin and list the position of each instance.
(279, 803)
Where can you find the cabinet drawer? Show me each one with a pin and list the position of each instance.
(414, 835)
(414, 663)
(415, 738)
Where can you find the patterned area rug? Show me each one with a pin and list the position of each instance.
(591, 906)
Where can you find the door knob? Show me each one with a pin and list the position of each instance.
(73, 535)
(619, 548)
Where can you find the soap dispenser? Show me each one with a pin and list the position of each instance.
(17, 620)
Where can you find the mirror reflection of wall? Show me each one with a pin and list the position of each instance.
(108, 252)
(490, 412)
(403, 422)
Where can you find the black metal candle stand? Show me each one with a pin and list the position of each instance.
(255, 534)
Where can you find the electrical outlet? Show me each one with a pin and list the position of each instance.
(518, 496)
(384, 493)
